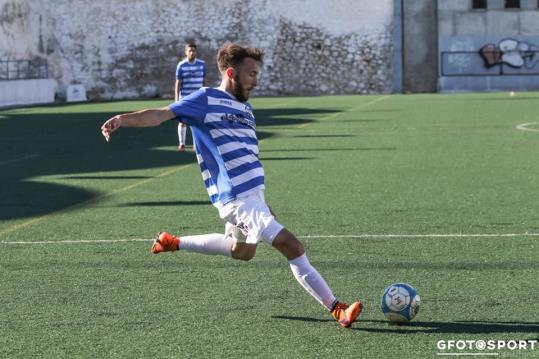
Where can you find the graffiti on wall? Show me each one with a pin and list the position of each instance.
(515, 53)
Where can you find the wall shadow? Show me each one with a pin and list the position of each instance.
(332, 149)
(69, 146)
(322, 136)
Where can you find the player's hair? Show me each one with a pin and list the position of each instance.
(190, 44)
(231, 55)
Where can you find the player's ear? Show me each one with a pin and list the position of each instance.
(230, 72)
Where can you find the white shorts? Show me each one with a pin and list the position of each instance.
(249, 219)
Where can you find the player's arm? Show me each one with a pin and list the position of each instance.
(204, 83)
(177, 90)
(143, 118)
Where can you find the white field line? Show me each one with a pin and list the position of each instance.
(432, 235)
(467, 354)
(318, 236)
(524, 127)
(24, 158)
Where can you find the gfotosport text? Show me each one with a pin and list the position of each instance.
(487, 347)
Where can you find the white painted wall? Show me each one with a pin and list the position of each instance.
(26, 92)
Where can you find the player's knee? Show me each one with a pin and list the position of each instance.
(288, 244)
(243, 252)
(295, 249)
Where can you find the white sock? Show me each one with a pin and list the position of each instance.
(182, 132)
(312, 281)
(213, 243)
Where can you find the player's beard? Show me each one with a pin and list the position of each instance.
(238, 90)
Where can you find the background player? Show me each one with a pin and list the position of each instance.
(190, 76)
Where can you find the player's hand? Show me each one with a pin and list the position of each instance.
(110, 126)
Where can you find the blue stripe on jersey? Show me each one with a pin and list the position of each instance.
(240, 152)
(255, 183)
(234, 172)
(237, 171)
(225, 141)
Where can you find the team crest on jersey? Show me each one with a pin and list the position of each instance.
(238, 118)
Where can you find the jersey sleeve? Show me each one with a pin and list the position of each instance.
(192, 108)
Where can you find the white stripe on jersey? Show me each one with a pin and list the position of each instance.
(213, 101)
(249, 175)
(205, 175)
(213, 117)
(231, 146)
(212, 190)
(240, 161)
(236, 132)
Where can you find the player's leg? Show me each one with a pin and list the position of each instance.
(182, 130)
(231, 244)
(254, 222)
(214, 243)
(311, 280)
(243, 251)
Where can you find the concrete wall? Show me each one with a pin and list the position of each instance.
(420, 67)
(129, 48)
(26, 92)
(466, 30)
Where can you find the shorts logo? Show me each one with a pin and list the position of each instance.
(244, 229)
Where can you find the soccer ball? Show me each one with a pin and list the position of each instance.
(400, 302)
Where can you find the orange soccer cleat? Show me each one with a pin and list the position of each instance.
(346, 314)
(165, 242)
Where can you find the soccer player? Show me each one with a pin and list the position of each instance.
(226, 146)
(190, 76)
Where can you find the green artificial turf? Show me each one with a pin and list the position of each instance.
(439, 191)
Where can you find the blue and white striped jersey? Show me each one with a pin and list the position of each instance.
(224, 133)
(191, 75)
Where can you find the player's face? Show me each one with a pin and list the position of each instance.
(245, 79)
(190, 53)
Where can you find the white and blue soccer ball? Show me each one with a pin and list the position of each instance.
(400, 302)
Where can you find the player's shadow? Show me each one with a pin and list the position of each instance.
(414, 327)
(456, 327)
(45, 154)
(288, 158)
(325, 149)
(322, 136)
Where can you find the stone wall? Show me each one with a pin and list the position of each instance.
(129, 48)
